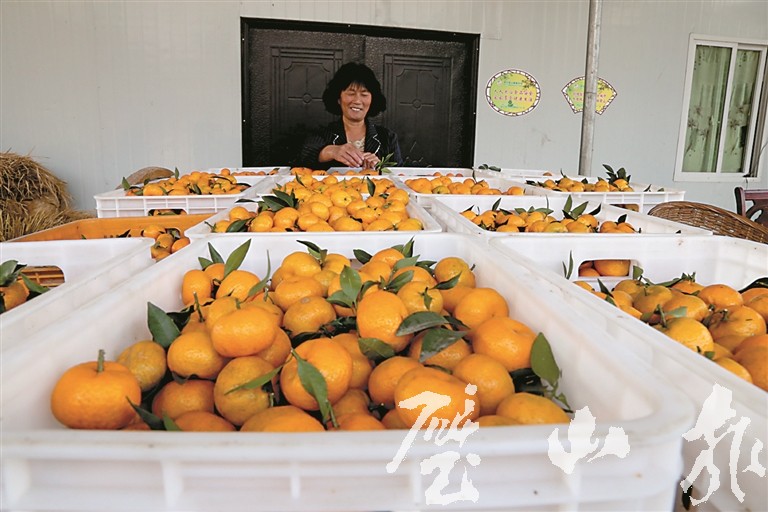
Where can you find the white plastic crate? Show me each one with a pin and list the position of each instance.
(502, 184)
(419, 171)
(90, 267)
(116, 204)
(238, 171)
(47, 466)
(203, 229)
(446, 209)
(644, 196)
(714, 259)
(524, 174)
(251, 178)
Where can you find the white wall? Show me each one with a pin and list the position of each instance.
(97, 90)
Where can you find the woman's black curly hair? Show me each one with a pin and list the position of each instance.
(353, 73)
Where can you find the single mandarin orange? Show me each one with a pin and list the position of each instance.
(391, 420)
(203, 421)
(690, 333)
(418, 296)
(445, 397)
(193, 354)
(479, 305)
(196, 284)
(612, 268)
(506, 340)
(755, 360)
(491, 378)
(449, 267)
(293, 289)
(361, 365)
(243, 332)
(739, 320)
(308, 314)
(734, 367)
(359, 421)
(301, 264)
(452, 296)
(721, 296)
(530, 409)
(176, 398)
(236, 403)
(277, 352)
(353, 401)
(330, 359)
(237, 284)
(494, 420)
(283, 418)
(146, 360)
(694, 307)
(379, 315)
(750, 294)
(446, 358)
(96, 395)
(386, 375)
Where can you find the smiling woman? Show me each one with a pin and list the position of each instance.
(352, 141)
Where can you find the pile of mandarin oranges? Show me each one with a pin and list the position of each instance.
(323, 343)
(311, 203)
(715, 320)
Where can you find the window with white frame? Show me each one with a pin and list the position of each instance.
(723, 119)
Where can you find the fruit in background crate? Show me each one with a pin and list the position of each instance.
(308, 205)
(15, 287)
(468, 186)
(381, 167)
(618, 181)
(194, 183)
(541, 220)
(250, 172)
(711, 320)
(347, 372)
(167, 240)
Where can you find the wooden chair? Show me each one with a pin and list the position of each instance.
(717, 220)
(759, 207)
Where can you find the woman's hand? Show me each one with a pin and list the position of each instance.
(346, 154)
(370, 160)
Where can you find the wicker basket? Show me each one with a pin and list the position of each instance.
(718, 220)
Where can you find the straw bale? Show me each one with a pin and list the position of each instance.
(23, 179)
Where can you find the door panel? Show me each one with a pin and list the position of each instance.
(423, 83)
(428, 84)
(285, 75)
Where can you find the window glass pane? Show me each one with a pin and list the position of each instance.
(710, 75)
(740, 110)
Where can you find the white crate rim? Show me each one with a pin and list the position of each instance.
(444, 208)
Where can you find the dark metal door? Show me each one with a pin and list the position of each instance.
(428, 79)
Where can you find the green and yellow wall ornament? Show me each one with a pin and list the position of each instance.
(512, 92)
(574, 95)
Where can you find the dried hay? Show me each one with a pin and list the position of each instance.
(16, 220)
(23, 179)
(31, 198)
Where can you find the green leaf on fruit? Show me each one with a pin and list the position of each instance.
(258, 382)
(419, 321)
(436, 340)
(161, 325)
(236, 258)
(375, 349)
(314, 384)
